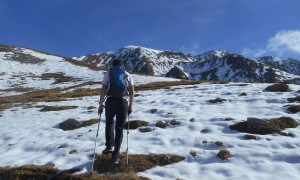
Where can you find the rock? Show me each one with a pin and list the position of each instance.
(251, 121)
(70, 124)
(177, 73)
(192, 120)
(205, 131)
(250, 136)
(219, 143)
(243, 94)
(217, 100)
(73, 151)
(63, 146)
(295, 99)
(146, 129)
(153, 111)
(281, 87)
(294, 109)
(229, 119)
(274, 125)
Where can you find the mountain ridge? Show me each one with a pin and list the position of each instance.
(211, 65)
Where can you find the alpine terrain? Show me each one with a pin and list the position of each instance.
(214, 115)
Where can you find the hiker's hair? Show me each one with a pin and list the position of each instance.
(117, 62)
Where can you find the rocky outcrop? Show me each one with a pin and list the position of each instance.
(260, 126)
(177, 73)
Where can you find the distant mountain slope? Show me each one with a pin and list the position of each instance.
(140, 59)
(24, 70)
(289, 65)
(28, 68)
(211, 65)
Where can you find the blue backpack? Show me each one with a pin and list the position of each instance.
(118, 82)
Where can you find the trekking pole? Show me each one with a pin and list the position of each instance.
(127, 142)
(96, 143)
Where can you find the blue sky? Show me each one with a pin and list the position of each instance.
(80, 27)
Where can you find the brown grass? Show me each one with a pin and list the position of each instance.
(249, 136)
(162, 124)
(224, 154)
(274, 125)
(137, 162)
(134, 124)
(89, 122)
(57, 94)
(17, 89)
(34, 172)
(27, 172)
(193, 153)
(57, 108)
(294, 109)
(58, 77)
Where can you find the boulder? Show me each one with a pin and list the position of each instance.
(294, 109)
(217, 100)
(252, 121)
(146, 129)
(295, 99)
(271, 126)
(281, 87)
(70, 124)
(177, 73)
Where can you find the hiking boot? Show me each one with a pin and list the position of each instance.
(107, 150)
(116, 159)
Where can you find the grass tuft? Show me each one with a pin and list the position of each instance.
(274, 125)
(137, 162)
(134, 124)
(57, 108)
(224, 154)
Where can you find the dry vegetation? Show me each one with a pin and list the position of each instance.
(274, 125)
(34, 172)
(137, 162)
(224, 154)
(58, 94)
(57, 108)
(134, 124)
(58, 77)
(103, 164)
(294, 109)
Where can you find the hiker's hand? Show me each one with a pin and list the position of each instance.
(129, 110)
(100, 109)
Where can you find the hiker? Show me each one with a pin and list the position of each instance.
(117, 86)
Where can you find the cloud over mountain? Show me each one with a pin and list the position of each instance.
(283, 43)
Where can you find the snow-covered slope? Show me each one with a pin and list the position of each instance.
(139, 59)
(232, 67)
(211, 65)
(23, 69)
(289, 65)
(29, 136)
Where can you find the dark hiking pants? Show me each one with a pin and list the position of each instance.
(115, 107)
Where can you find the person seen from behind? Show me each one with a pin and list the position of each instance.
(118, 89)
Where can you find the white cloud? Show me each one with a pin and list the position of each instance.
(284, 43)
